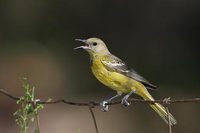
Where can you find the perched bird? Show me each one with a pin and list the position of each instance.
(114, 73)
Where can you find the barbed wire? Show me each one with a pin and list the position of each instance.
(162, 101)
(92, 104)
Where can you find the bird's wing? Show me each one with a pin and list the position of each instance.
(113, 63)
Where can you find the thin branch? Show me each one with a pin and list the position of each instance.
(94, 119)
(8, 94)
(163, 101)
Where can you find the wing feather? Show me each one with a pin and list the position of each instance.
(113, 63)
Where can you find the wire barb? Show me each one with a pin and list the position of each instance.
(169, 121)
(167, 100)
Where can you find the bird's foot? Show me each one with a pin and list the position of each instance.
(104, 106)
(125, 102)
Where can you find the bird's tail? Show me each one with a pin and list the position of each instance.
(162, 112)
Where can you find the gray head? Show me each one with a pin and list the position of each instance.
(93, 46)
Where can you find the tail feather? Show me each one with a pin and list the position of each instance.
(162, 112)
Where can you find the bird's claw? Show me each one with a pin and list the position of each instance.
(125, 102)
(104, 106)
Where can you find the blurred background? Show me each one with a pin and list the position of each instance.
(159, 39)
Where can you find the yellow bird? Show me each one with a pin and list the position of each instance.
(114, 73)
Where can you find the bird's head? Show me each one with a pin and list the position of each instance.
(93, 46)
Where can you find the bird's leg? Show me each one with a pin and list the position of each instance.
(104, 106)
(125, 99)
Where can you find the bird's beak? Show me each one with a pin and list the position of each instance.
(86, 46)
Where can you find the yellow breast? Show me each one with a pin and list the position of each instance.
(114, 80)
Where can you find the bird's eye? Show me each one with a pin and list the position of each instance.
(94, 44)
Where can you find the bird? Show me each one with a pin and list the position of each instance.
(115, 74)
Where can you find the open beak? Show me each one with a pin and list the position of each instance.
(86, 46)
